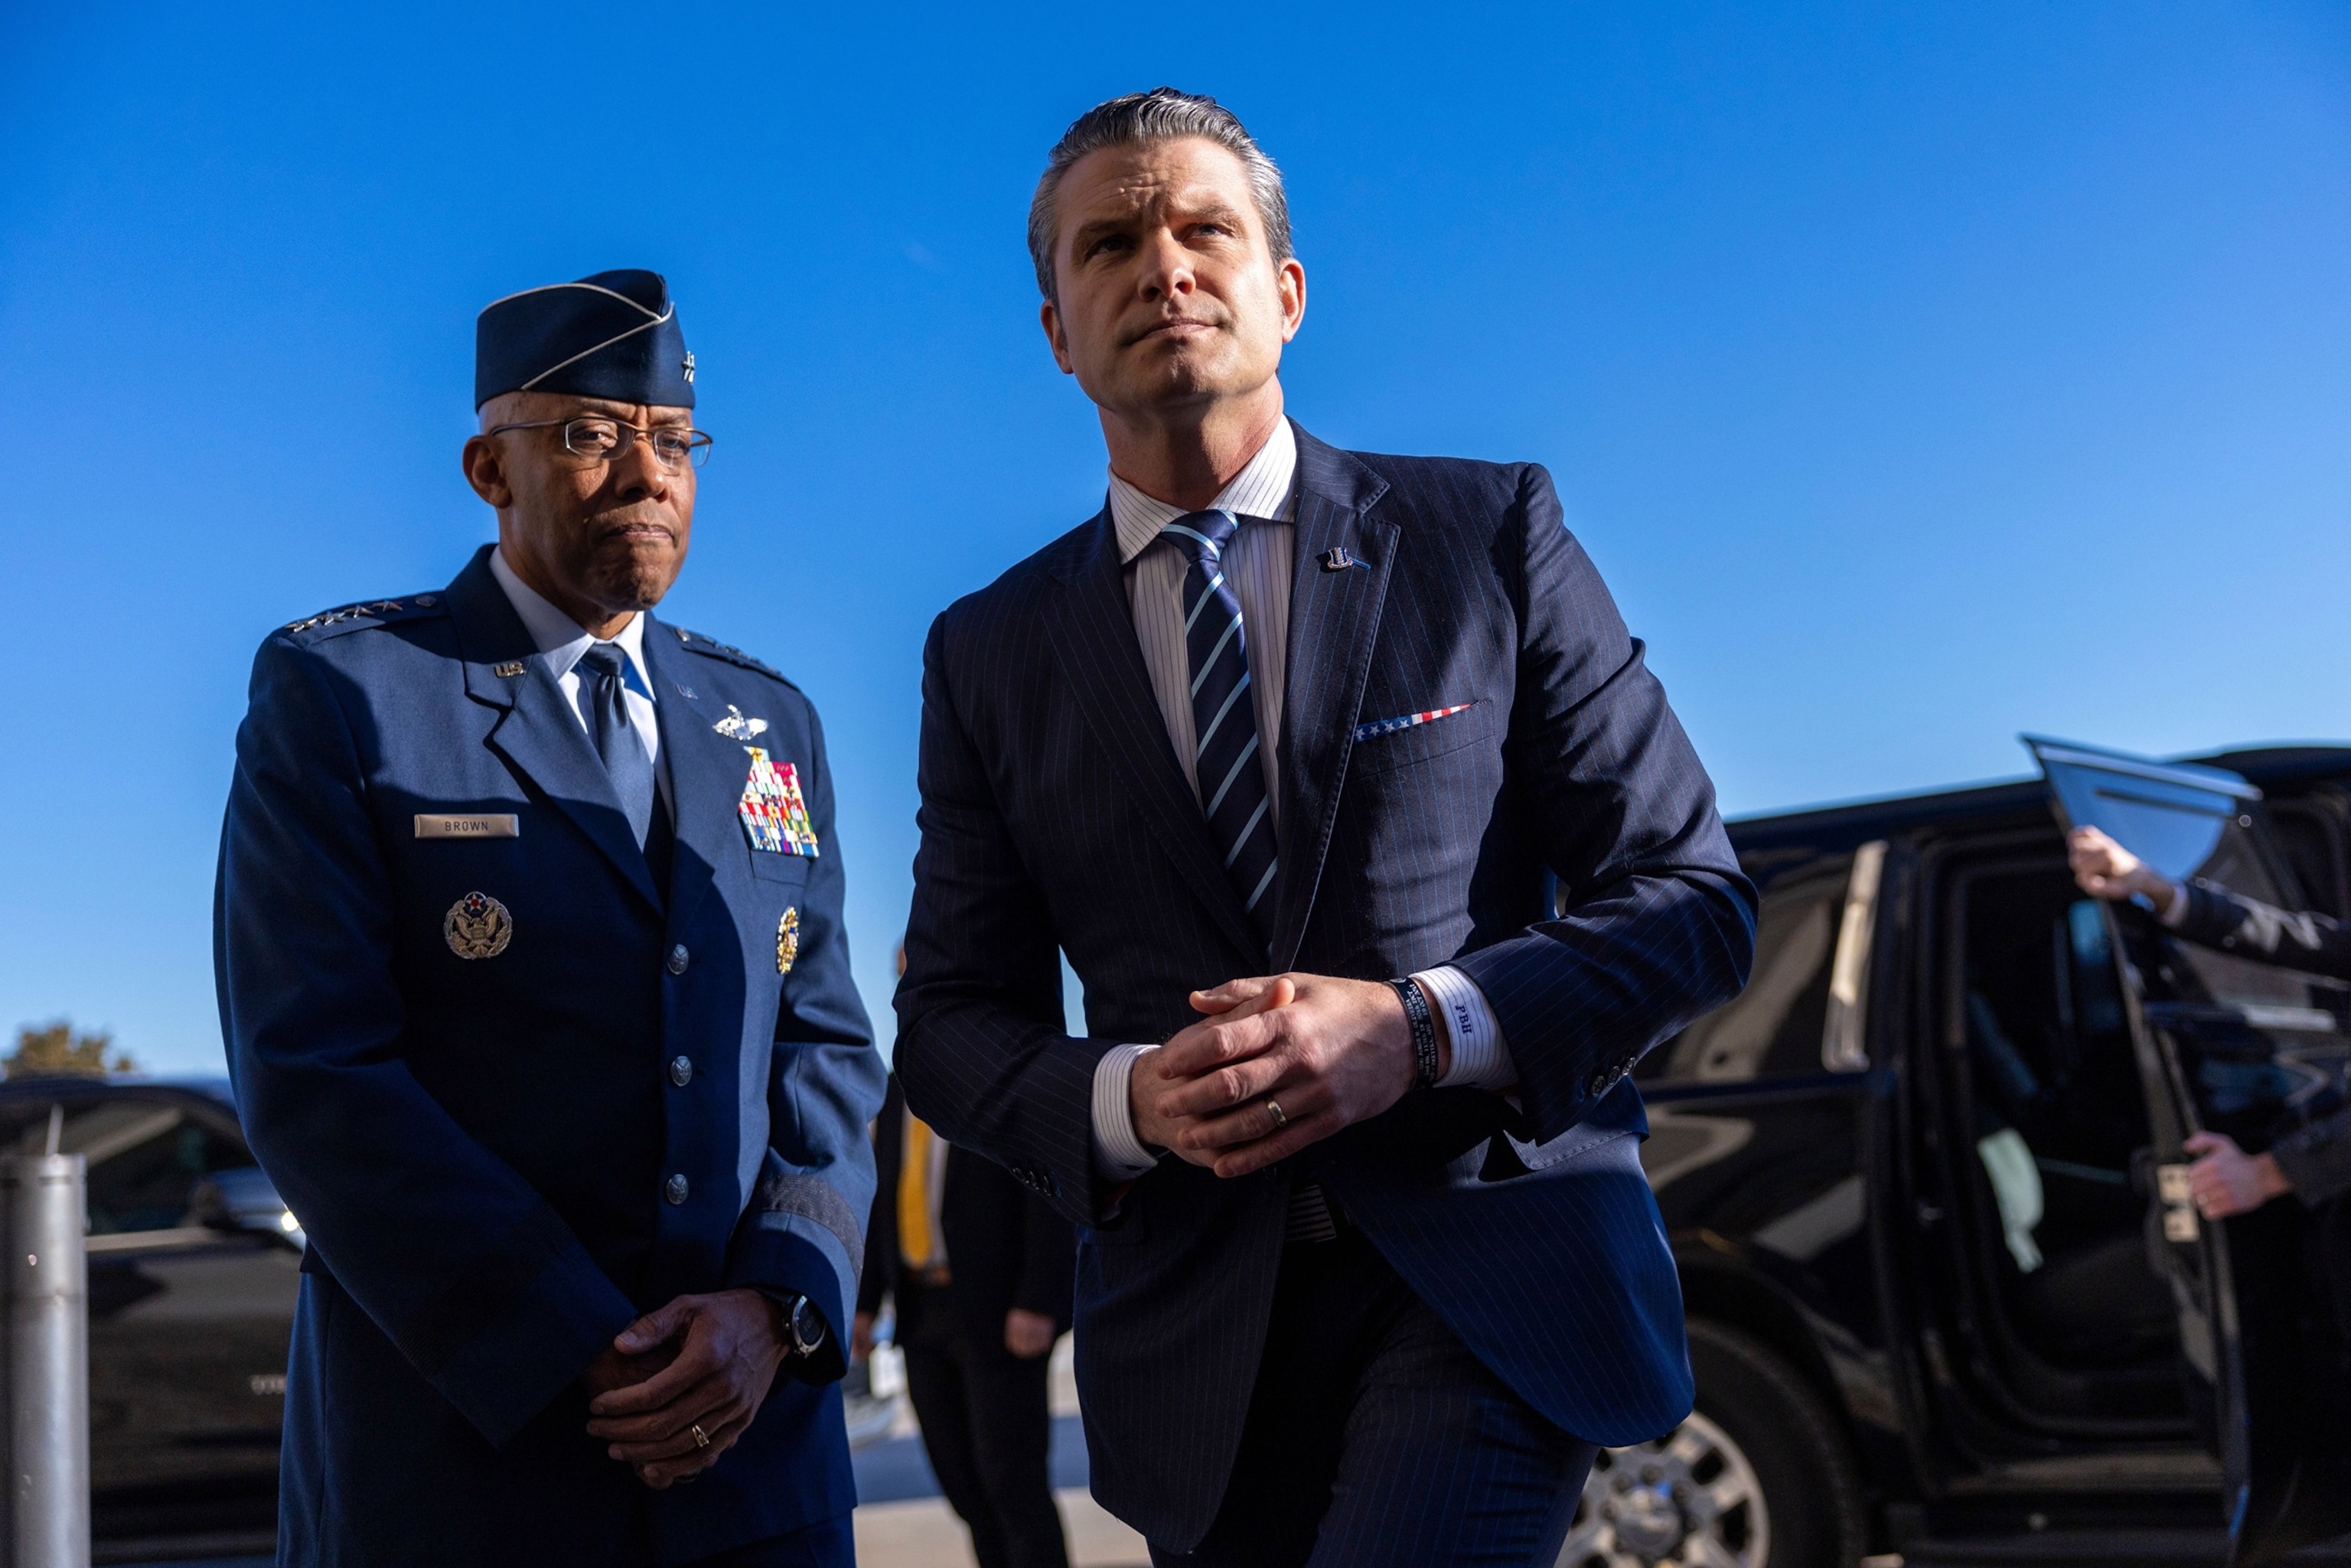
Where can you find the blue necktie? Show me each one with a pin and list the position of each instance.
(1225, 755)
(602, 681)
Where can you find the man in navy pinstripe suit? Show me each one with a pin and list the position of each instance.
(1338, 776)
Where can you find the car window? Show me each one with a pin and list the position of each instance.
(1774, 1028)
(145, 1156)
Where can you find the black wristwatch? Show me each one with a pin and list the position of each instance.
(804, 1323)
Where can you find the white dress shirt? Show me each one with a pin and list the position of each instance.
(561, 640)
(1257, 564)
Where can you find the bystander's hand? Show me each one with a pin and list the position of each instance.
(721, 1353)
(2227, 1180)
(2104, 869)
(1027, 1334)
(1331, 1052)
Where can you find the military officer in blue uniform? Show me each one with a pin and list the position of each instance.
(530, 961)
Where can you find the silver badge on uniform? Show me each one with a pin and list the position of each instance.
(735, 727)
(477, 926)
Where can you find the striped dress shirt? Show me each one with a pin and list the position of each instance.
(1257, 563)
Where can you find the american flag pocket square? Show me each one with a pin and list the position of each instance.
(1380, 727)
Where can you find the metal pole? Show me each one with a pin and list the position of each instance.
(48, 1360)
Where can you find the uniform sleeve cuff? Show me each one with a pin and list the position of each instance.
(1119, 1154)
(1481, 1059)
(2177, 914)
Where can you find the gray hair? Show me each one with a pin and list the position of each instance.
(1162, 114)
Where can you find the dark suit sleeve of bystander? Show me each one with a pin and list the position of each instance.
(875, 1280)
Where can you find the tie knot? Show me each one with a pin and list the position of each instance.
(1202, 535)
(605, 661)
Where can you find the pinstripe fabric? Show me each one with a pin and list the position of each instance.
(1056, 815)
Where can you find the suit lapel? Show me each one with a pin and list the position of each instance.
(707, 771)
(538, 735)
(1334, 619)
(1091, 628)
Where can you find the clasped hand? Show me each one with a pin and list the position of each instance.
(701, 1361)
(1329, 1052)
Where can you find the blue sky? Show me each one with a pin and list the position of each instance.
(1916, 375)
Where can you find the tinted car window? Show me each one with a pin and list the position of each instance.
(1775, 1026)
(145, 1156)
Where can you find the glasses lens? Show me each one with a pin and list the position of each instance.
(597, 438)
(699, 448)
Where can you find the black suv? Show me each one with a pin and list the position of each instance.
(194, 1266)
(1947, 1298)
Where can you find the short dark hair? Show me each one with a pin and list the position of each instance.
(1162, 114)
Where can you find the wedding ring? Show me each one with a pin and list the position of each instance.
(701, 1438)
(1273, 1109)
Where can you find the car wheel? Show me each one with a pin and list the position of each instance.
(1757, 1476)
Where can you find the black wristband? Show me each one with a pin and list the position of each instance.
(1424, 1031)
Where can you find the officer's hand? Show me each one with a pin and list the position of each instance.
(727, 1348)
(1147, 1085)
(1027, 1334)
(1341, 1052)
(2228, 1180)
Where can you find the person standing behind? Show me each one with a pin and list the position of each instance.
(528, 937)
(2313, 1163)
(1339, 774)
(980, 1270)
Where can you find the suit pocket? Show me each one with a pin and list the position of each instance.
(1480, 721)
(772, 865)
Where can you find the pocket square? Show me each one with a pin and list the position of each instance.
(1379, 727)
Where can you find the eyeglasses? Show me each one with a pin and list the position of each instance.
(602, 439)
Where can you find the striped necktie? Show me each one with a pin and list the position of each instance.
(1226, 743)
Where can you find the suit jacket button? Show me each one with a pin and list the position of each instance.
(681, 1070)
(674, 1188)
(1597, 1084)
(677, 960)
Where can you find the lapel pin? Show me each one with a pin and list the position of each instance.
(1336, 559)
(509, 670)
(685, 691)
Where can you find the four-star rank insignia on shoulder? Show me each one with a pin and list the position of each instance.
(775, 818)
(477, 926)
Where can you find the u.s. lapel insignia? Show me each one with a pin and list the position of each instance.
(477, 926)
(788, 941)
(735, 727)
(508, 670)
(775, 818)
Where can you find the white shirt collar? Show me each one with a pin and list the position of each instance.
(560, 639)
(1262, 489)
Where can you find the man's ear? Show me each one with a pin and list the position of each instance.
(486, 471)
(1048, 316)
(1291, 281)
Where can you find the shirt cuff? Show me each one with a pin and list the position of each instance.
(1119, 1154)
(2176, 916)
(1480, 1058)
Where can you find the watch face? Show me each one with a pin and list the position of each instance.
(807, 1326)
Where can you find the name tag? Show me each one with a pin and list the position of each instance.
(498, 827)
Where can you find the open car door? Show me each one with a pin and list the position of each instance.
(2229, 1046)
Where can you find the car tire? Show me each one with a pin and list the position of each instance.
(1762, 1441)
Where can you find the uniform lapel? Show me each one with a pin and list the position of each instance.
(707, 771)
(1092, 627)
(1334, 618)
(538, 733)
